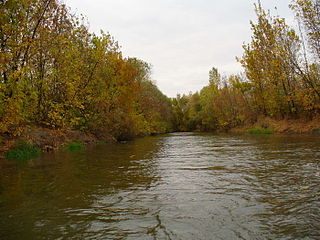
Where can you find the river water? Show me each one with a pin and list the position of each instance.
(174, 186)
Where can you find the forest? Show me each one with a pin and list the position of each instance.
(56, 74)
(281, 78)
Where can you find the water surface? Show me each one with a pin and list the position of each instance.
(175, 186)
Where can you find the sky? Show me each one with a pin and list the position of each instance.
(181, 39)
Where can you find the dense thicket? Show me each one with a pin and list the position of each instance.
(55, 73)
(281, 76)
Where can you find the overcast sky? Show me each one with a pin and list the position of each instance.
(182, 39)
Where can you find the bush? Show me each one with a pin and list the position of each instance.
(23, 151)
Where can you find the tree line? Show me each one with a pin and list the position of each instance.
(56, 74)
(281, 76)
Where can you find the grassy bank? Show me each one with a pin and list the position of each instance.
(22, 151)
(72, 147)
(260, 131)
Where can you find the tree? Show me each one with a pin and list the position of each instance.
(308, 12)
(55, 73)
(214, 78)
(270, 64)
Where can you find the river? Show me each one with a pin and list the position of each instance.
(174, 186)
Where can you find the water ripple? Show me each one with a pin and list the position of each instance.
(176, 186)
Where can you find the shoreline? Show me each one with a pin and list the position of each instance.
(49, 140)
(283, 126)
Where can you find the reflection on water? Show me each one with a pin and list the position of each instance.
(175, 186)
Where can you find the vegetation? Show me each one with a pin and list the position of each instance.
(260, 131)
(23, 151)
(55, 73)
(73, 147)
(281, 77)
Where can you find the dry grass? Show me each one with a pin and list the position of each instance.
(299, 126)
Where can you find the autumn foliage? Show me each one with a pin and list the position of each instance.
(55, 73)
(281, 77)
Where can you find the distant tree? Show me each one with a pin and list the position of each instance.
(214, 77)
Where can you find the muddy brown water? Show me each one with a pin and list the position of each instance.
(174, 186)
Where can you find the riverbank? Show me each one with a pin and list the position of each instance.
(48, 140)
(284, 126)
